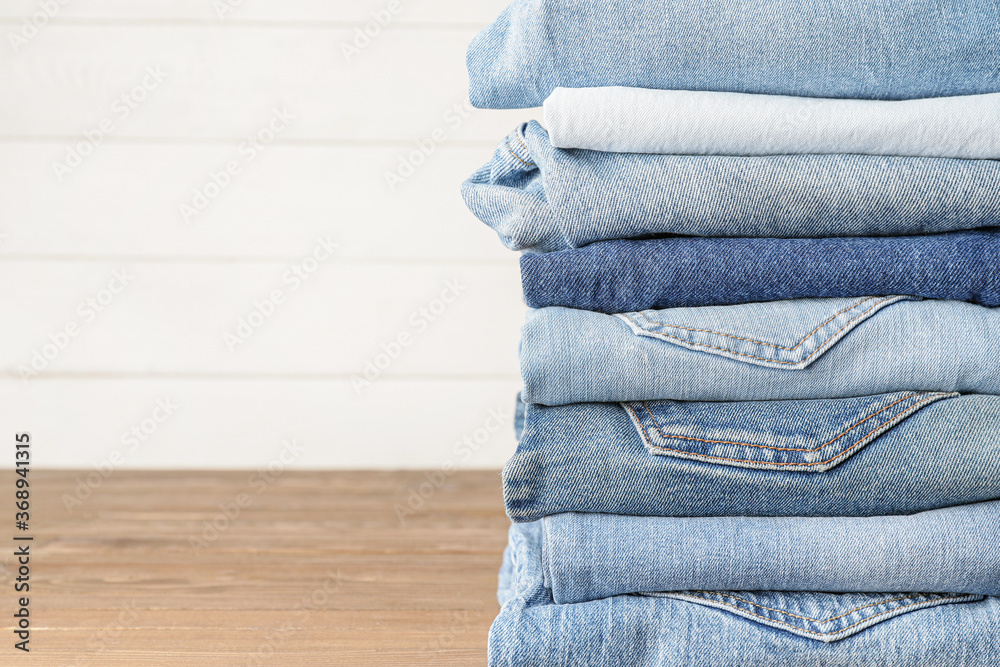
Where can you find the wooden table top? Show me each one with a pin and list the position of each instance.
(240, 568)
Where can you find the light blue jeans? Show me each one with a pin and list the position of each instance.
(888, 454)
(734, 629)
(950, 550)
(802, 348)
(851, 48)
(542, 198)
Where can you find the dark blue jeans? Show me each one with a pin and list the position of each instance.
(626, 276)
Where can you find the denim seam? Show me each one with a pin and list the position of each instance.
(839, 630)
(806, 618)
(518, 157)
(786, 449)
(744, 354)
(517, 135)
(694, 455)
(760, 342)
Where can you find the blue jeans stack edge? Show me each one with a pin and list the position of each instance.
(760, 419)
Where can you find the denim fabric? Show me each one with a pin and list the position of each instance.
(734, 629)
(685, 122)
(542, 198)
(951, 550)
(874, 455)
(803, 348)
(852, 48)
(624, 276)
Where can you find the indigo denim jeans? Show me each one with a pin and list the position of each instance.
(625, 276)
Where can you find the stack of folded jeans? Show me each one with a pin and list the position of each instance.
(760, 422)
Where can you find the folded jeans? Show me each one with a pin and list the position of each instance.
(853, 49)
(949, 550)
(686, 122)
(796, 349)
(626, 276)
(542, 198)
(874, 455)
(734, 629)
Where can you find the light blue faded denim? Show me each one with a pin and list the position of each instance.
(950, 550)
(734, 629)
(888, 454)
(542, 198)
(803, 348)
(852, 48)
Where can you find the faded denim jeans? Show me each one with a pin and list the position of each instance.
(702, 628)
(950, 550)
(686, 122)
(874, 455)
(542, 198)
(852, 48)
(802, 348)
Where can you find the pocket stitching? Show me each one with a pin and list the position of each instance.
(650, 444)
(790, 449)
(657, 334)
(806, 618)
(759, 342)
(840, 630)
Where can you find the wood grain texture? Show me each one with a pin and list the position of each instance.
(317, 569)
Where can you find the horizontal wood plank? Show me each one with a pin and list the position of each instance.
(265, 591)
(89, 423)
(283, 84)
(252, 319)
(125, 200)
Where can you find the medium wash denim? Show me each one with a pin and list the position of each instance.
(802, 348)
(951, 550)
(624, 276)
(734, 629)
(542, 198)
(875, 455)
(852, 48)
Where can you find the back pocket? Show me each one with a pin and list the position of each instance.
(825, 617)
(800, 435)
(776, 334)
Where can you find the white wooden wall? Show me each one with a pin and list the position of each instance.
(210, 74)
